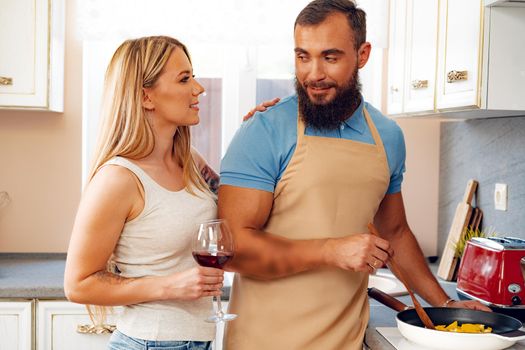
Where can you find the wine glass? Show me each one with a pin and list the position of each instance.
(213, 247)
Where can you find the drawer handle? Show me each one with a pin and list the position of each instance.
(98, 329)
(6, 81)
(457, 75)
(419, 84)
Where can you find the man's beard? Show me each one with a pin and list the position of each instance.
(330, 115)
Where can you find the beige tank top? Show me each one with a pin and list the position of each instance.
(158, 243)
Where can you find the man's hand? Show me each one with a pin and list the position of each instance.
(359, 252)
(469, 304)
(261, 108)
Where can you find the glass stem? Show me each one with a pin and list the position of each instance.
(219, 306)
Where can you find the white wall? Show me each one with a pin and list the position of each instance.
(420, 187)
(40, 164)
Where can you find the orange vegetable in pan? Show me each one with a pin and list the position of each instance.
(464, 328)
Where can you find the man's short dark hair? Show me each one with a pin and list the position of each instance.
(318, 10)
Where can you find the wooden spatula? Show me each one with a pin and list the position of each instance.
(427, 322)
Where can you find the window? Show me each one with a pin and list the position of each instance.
(242, 53)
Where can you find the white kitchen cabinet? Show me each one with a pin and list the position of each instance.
(57, 323)
(32, 54)
(420, 55)
(16, 325)
(428, 40)
(504, 59)
(459, 54)
(396, 57)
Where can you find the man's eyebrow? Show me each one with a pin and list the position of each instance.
(332, 52)
(324, 52)
(299, 50)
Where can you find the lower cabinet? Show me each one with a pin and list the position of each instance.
(58, 325)
(16, 325)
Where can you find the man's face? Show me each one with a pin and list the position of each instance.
(326, 67)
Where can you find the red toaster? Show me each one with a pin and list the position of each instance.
(491, 272)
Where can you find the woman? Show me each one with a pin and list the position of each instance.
(143, 202)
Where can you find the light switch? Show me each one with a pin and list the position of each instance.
(500, 197)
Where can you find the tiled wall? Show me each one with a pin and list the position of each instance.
(490, 151)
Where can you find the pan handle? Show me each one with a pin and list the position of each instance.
(386, 299)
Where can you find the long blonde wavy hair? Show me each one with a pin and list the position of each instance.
(125, 130)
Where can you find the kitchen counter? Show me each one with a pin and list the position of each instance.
(32, 276)
(41, 276)
(37, 276)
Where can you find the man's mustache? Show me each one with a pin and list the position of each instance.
(318, 84)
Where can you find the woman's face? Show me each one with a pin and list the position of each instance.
(175, 95)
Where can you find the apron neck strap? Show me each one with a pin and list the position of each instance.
(373, 130)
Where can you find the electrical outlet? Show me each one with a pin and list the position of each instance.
(500, 197)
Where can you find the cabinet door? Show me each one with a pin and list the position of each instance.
(459, 53)
(31, 59)
(16, 325)
(57, 323)
(396, 57)
(505, 76)
(420, 59)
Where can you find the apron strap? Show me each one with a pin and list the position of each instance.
(373, 131)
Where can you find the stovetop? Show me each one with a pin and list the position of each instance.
(395, 338)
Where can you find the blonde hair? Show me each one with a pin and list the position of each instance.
(125, 131)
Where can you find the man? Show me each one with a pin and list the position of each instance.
(300, 183)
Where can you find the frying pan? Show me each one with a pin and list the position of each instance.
(505, 329)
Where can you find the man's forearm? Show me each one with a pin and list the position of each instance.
(410, 258)
(262, 255)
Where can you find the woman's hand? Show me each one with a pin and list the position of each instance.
(194, 283)
(261, 108)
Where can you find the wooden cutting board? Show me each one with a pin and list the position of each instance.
(460, 222)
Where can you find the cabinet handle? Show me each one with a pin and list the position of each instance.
(98, 329)
(394, 89)
(457, 75)
(6, 81)
(419, 84)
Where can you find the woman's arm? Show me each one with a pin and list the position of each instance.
(112, 198)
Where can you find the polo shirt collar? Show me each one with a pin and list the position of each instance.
(357, 121)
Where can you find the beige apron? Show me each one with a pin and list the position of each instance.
(331, 188)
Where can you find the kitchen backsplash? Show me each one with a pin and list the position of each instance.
(490, 151)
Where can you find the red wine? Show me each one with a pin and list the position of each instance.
(216, 260)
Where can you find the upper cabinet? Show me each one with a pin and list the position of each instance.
(434, 55)
(504, 57)
(32, 59)
(459, 54)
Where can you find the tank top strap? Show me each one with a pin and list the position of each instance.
(143, 177)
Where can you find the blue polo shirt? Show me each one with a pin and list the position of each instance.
(263, 146)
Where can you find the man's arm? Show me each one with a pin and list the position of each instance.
(265, 256)
(391, 222)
